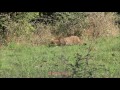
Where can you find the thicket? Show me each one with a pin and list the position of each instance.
(39, 27)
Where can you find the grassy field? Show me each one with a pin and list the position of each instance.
(25, 61)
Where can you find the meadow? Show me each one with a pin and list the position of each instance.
(96, 59)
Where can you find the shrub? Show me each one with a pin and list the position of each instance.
(101, 24)
(67, 23)
(42, 34)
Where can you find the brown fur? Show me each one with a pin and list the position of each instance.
(55, 41)
(72, 40)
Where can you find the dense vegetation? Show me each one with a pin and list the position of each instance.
(25, 49)
(42, 26)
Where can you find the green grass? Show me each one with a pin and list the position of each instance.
(25, 61)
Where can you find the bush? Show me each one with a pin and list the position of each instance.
(85, 24)
(101, 24)
(69, 23)
(15, 25)
(41, 35)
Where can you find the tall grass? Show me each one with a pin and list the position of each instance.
(82, 24)
(28, 54)
(19, 61)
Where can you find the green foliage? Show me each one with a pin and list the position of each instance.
(24, 16)
(22, 27)
(65, 23)
(69, 23)
(41, 61)
(15, 24)
(4, 18)
(19, 24)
